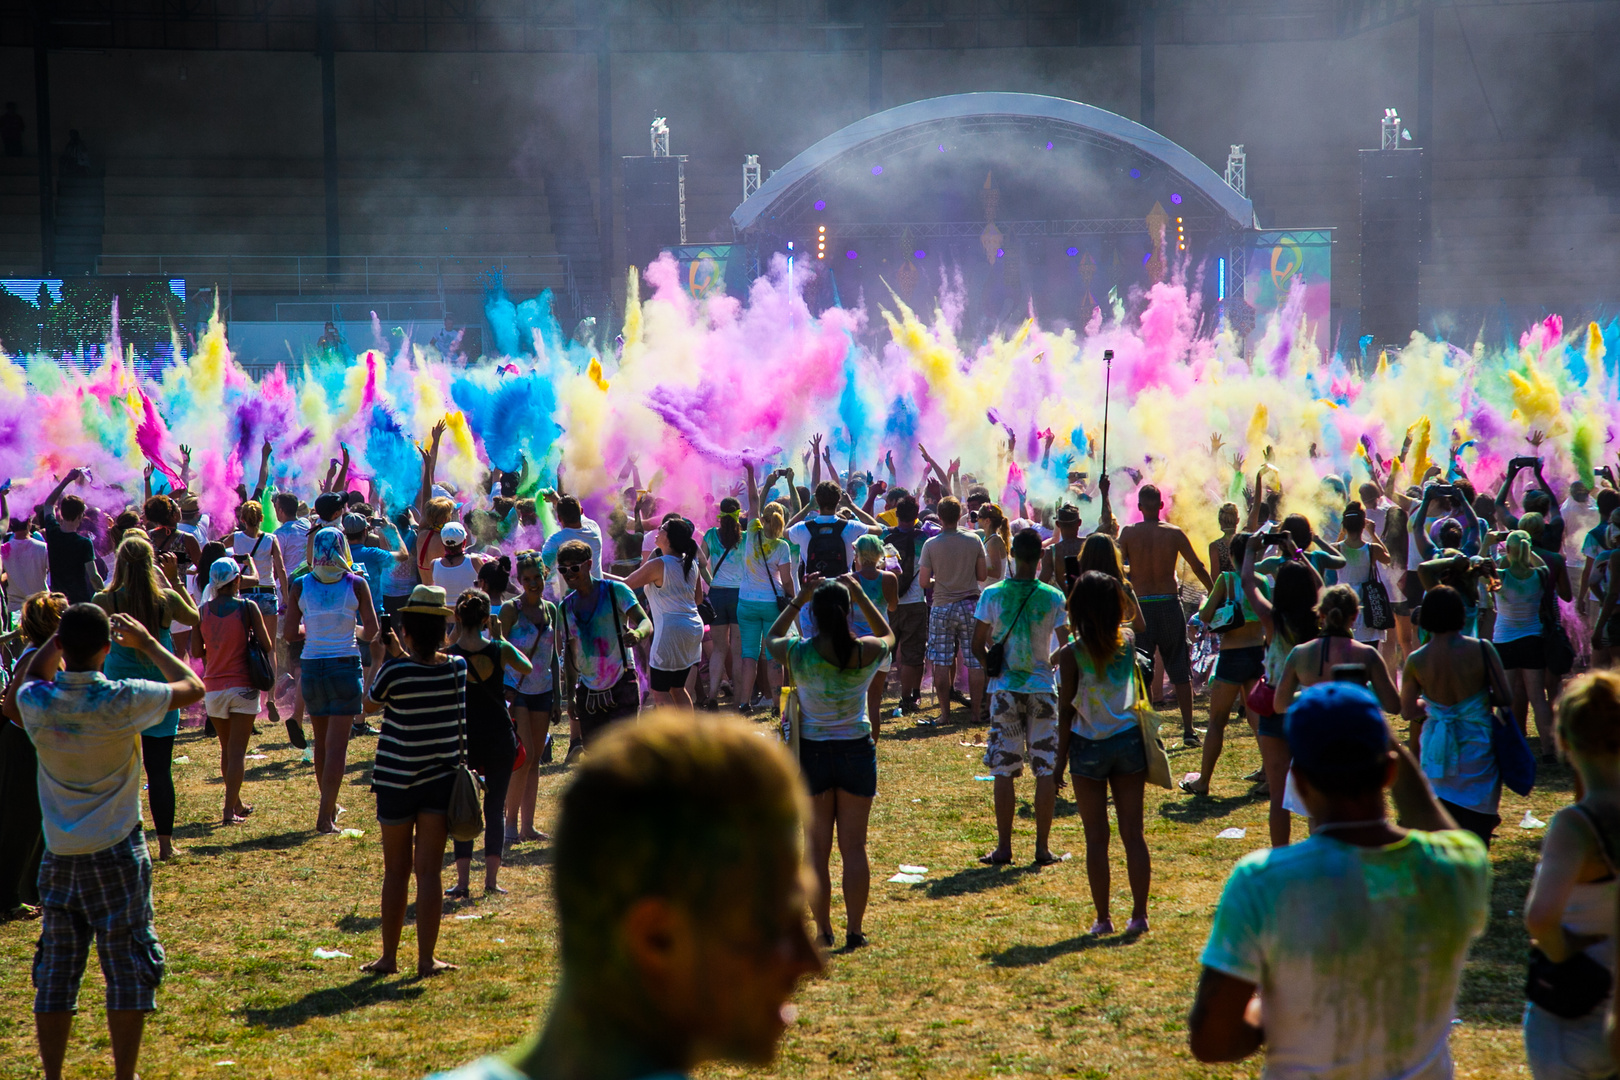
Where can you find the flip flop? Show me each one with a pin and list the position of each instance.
(989, 859)
(1048, 860)
(1189, 789)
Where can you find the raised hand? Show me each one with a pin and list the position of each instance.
(956, 466)
(1238, 458)
(185, 455)
(888, 461)
(1215, 444)
(438, 431)
(1536, 438)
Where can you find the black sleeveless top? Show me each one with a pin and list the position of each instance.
(489, 726)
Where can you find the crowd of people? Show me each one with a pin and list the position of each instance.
(461, 629)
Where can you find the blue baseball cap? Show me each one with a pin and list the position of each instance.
(1336, 727)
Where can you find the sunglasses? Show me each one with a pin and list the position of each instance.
(569, 568)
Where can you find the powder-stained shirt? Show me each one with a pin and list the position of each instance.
(1356, 951)
(593, 634)
(86, 732)
(1023, 614)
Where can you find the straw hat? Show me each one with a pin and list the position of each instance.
(427, 600)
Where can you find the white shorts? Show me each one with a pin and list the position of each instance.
(237, 701)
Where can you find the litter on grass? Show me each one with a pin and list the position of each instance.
(1532, 822)
(905, 869)
(465, 918)
(182, 759)
(1231, 834)
(984, 778)
(322, 953)
(908, 879)
(501, 940)
(977, 744)
(255, 757)
(352, 833)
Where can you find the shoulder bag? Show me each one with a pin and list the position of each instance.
(1147, 721)
(1514, 761)
(1375, 607)
(1577, 984)
(781, 601)
(705, 608)
(1229, 616)
(261, 669)
(465, 815)
(995, 657)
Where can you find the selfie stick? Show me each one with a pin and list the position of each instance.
(1108, 377)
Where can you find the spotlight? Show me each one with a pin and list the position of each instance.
(1136, 174)
(821, 254)
(790, 245)
(877, 170)
(942, 148)
(821, 204)
(920, 253)
(1175, 198)
(852, 254)
(823, 228)
(1072, 252)
(999, 253)
(1049, 145)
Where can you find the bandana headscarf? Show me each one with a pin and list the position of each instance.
(223, 572)
(330, 560)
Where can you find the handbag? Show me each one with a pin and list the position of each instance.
(1263, 698)
(261, 669)
(1147, 721)
(1574, 986)
(1229, 616)
(1514, 762)
(995, 657)
(465, 814)
(705, 609)
(1375, 605)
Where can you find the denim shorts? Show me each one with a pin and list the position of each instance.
(724, 602)
(1274, 725)
(1559, 1049)
(847, 765)
(534, 702)
(1118, 755)
(1241, 665)
(332, 686)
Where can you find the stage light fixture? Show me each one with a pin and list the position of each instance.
(821, 204)
(790, 245)
(1220, 279)
(1136, 174)
(1049, 145)
(823, 228)
(920, 253)
(1072, 252)
(1175, 198)
(877, 170)
(852, 254)
(1000, 252)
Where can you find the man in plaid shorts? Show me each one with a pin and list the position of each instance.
(953, 564)
(1021, 614)
(96, 878)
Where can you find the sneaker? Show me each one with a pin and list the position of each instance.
(910, 704)
(574, 750)
(1190, 740)
(295, 734)
(546, 750)
(745, 709)
(357, 730)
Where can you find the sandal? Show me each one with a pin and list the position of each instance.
(458, 892)
(989, 859)
(1190, 790)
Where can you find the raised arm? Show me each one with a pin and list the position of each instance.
(1258, 602)
(264, 471)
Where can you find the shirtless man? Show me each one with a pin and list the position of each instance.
(1055, 568)
(1151, 548)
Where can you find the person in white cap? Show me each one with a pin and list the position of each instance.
(457, 570)
(228, 624)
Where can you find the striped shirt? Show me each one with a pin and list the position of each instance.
(423, 710)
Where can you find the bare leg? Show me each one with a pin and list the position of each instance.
(874, 702)
(531, 788)
(52, 1030)
(1184, 698)
(1005, 799)
(234, 733)
(1275, 759)
(1521, 697)
(1222, 696)
(976, 681)
(1091, 798)
(124, 1028)
(944, 677)
(818, 844)
(331, 758)
(1535, 687)
(398, 845)
(1138, 866)
(523, 722)
(852, 812)
(431, 830)
(1045, 805)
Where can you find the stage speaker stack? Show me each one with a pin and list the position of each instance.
(1394, 236)
(652, 207)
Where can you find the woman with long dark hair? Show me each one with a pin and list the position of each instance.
(837, 747)
(724, 544)
(673, 585)
(1288, 616)
(178, 553)
(1239, 666)
(491, 741)
(530, 624)
(140, 591)
(1101, 554)
(1100, 741)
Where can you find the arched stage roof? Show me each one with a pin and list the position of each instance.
(796, 182)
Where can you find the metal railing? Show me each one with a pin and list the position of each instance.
(322, 277)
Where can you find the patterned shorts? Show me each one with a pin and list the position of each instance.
(105, 896)
(950, 632)
(1023, 727)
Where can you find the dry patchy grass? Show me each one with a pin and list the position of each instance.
(978, 971)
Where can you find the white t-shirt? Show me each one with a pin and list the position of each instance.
(799, 533)
(1356, 951)
(262, 548)
(86, 732)
(757, 586)
(588, 531)
(1579, 519)
(25, 562)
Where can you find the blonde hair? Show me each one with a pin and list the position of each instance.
(40, 615)
(250, 514)
(137, 586)
(438, 511)
(1589, 714)
(997, 524)
(1338, 608)
(1518, 550)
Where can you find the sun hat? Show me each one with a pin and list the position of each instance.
(427, 600)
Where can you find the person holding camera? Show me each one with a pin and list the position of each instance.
(1012, 635)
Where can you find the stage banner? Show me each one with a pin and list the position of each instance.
(711, 269)
(1279, 258)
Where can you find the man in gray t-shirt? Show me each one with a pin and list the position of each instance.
(954, 565)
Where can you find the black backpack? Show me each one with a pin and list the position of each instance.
(825, 553)
(905, 543)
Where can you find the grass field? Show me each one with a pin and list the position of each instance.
(976, 972)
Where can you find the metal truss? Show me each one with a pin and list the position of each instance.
(959, 230)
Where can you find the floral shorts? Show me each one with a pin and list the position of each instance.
(1023, 727)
